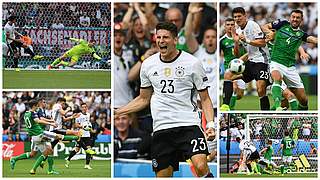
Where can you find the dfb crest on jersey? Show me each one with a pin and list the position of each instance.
(179, 71)
(167, 71)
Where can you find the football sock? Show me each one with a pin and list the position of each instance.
(276, 92)
(64, 63)
(264, 103)
(22, 156)
(56, 61)
(88, 157)
(249, 167)
(50, 163)
(29, 51)
(70, 138)
(38, 162)
(233, 101)
(227, 91)
(72, 153)
(209, 175)
(54, 143)
(15, 62)
(302, 107)
(293, 104)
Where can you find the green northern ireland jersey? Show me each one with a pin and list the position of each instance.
(182, 41)
(81, 49)
(287, 146)
(286, 43)
(33, 128)
(227, 46)
(268, 153)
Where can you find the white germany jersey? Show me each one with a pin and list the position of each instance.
(123, 93)
(56, 116)
(247, 147)
(175, 85)
(251, 32)
(10, 28)
(81, 120)
(210, 65)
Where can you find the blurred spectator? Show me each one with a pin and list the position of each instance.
(313, 150)
(20, 107)
(129, 142)
(84, 20)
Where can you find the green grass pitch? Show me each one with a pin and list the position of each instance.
(253, 103)
(22, 168)
(291, 175)
(56, 79)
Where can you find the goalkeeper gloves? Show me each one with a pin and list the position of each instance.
(96, 56)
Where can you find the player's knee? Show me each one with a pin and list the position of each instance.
(227, 75)
(202, 168)
(261, 92)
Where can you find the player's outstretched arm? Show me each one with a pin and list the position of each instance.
(138, 103)
(312, 39)
(192, 42)
(45, 122)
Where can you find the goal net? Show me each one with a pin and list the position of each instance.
(303, 129)
(47, 24)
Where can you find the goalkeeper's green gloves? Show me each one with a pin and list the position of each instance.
(96, 56)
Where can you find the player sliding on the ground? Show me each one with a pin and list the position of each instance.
(82, 48)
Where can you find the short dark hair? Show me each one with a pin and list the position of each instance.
(33, 102)
(11, 18)
(210, 28)
(83, 104)
(297, 11)
(169, 27)
(61, 99)
(238, 10)
(229, 19)
(269, 141)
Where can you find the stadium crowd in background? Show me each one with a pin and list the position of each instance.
(58, 15)
(15, 104)
(134, 41)
(264, 13)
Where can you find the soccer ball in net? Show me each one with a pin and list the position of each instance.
(87, 125)
(236, 66)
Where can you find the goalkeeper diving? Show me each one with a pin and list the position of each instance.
(82, 48)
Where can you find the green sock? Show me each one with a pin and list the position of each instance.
(64, 63)
(50, 163)
(233, 101)
(302, 107)
(56, 61)
(22, 156)
(70, 138)
(276, 94)
(293, 104)
(38, 162)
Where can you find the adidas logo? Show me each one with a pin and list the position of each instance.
(155, 74)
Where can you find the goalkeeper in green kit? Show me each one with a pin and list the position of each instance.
(82, 48)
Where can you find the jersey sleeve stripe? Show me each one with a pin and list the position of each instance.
(146, 87)
(200, 90)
